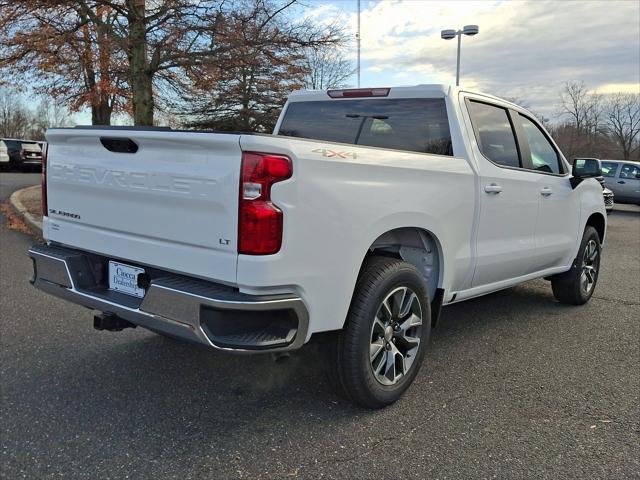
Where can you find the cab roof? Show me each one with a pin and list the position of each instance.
(435, 90)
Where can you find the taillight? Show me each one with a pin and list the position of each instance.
(259, 220)
(45, 210)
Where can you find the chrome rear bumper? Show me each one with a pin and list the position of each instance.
(214, 315)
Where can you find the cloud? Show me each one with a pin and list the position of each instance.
(618, 87)
(524, 49)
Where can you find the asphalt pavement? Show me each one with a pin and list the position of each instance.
(514, 385)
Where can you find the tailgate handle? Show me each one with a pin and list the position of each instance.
(119, 144)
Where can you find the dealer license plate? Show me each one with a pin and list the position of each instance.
(124, 278)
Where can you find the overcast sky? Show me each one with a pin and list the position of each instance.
(524, 49)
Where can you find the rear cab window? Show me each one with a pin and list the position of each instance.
(409, 124)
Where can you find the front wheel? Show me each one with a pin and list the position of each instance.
(576, 286)
(378, 354)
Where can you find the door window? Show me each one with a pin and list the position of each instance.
(544, 157)
(609, 169)
(494, 133)
(629, 171)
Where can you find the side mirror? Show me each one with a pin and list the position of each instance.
(637, 174)
(585, 168)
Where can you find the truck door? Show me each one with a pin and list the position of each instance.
(558, 219)
(628, 183)
(509, 198)
(609, 172)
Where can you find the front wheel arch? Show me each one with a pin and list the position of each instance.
(598, 222)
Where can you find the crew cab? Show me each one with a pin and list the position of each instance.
(364, 213)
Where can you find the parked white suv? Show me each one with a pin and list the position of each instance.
(362, 215)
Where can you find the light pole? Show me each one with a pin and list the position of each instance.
(451, 34)
(358, 38)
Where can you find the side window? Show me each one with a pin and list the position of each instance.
(629, 171)
(609, 169)
(494, 133)
(544, 157)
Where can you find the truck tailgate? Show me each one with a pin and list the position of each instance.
(171, 204)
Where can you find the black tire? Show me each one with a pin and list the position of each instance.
(402, 288)
(570, 287)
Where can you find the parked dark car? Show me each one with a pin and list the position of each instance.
(23, 154)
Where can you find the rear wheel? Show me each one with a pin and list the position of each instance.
(378, 354)
(576, 286)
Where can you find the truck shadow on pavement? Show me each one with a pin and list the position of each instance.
(136, 396)
(138, 384)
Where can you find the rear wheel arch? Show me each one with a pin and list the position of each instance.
(422, 249)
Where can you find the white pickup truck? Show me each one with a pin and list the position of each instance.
(363, 214)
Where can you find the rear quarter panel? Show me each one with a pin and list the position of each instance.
(339, 200)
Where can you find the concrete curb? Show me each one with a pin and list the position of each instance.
(18, 206)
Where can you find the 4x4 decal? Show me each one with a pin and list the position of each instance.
(332, 153)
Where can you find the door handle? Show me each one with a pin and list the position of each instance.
(546, 191)
(493, 188)
(622, 182)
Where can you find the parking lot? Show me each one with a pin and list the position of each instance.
(514, 385)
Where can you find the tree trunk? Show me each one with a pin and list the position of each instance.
(101, 114)
(139, 74)
(142, 98)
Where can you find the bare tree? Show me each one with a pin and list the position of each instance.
(61, 52)
(327, 67)
(15, 118)
(129, 53)
(584, 111)
(260, 62)
(574, 103)
(50, 113)
(622, 121)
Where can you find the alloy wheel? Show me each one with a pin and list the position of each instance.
(395, 335)
(590, 264)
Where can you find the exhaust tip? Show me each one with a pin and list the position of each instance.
(281, 357)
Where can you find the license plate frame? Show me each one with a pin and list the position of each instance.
(123, 278)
